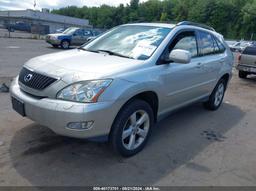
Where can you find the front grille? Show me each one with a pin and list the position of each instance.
(34, 80)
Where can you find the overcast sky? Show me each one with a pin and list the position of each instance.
(53, 4)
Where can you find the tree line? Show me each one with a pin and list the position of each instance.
(235, 19)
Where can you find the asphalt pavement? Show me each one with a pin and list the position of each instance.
(15, 52)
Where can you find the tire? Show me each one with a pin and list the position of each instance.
(242, 74)
(65, 44)
(127, 136)
(216, 98)
(55, 46)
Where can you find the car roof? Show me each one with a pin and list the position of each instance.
(172, 26)
(164, 25)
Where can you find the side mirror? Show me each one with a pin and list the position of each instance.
(180, 56)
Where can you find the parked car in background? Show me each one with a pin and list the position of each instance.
(239, 46)
(95, 35)
(71, 36)
(247, 62)
(60, 30)
(119, 85)
(253, 43)
(19, 26)
(230, 42)
(91, 38)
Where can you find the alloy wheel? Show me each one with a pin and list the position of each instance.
(65, 44)
(136, 130)
(219, 94)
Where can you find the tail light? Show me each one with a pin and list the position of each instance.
(239, 57)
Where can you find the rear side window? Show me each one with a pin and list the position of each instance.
(250, 51)
(210, 44)
(79, 32)
(207, 44)
(220, 46)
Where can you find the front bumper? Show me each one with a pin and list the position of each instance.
(56, 114)
(53, 42)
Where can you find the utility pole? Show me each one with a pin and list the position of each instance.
(34, 4)
(252, 36)
(9, 23)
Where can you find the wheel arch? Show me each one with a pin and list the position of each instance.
(225, 77)
(150, 97)
(66, 39)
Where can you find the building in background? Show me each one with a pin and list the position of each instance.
(41, 22)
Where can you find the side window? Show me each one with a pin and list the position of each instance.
(221, 46)
(216, 47)
(207, 44)
(185, 41)
(250, 51)
(79, 32)
(87, 33)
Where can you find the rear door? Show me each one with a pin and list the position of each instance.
(212, 53)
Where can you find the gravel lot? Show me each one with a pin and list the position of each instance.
(191, 147)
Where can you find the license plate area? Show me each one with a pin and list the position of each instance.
(18, 106)
(253, 70)
(248, 69)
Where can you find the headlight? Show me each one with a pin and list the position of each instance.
(54, 38)
(86, 91)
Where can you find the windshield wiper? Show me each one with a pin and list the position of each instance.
(114, 53)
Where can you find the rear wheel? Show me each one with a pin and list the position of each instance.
(132, 128)
(217, 96)
(242, 74)
(65, 44)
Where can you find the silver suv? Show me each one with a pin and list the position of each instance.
(120, 84)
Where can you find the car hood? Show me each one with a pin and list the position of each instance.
(76, 65)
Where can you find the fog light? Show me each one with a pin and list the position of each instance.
(80, 125)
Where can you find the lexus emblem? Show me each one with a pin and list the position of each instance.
(28, 77)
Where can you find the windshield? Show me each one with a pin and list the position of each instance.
(133, 41)
(70, 30)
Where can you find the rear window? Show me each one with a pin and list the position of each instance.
(250, 51)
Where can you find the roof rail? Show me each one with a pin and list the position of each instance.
(195, 24)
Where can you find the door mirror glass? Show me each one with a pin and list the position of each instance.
(180, 56)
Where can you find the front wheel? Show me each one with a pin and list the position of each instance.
(217, 96)
(131, 128)
(242, 74)
(65, 44)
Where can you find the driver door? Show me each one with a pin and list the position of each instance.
(183, 83)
